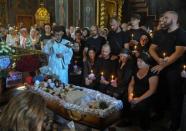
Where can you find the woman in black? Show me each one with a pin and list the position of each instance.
(141, 87)
(46, 36)
(76, 67)
(124, 73)
(89, 67)
(143, 45)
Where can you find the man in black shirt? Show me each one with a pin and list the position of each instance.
(136, 32)
(116, 37)
(95, 41)
(105, 68)
(167, 50)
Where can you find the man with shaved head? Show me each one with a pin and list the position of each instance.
(167, 49)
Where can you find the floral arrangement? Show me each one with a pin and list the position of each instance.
(5, 49)
(5, 53)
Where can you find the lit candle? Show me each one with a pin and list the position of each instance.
(132, 95)
(135, 47)
(91, 75)
(112, 78)
(184, 67)
(102, 77)
(132, 36)
(164, 55)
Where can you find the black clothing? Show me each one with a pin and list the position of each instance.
(144, 48)
(108, 67)
(166, 43)
(87, 67)
(142, 85)
(137, 33)
(170, 79)
(183, 120)
(78, 52)
(143, 108)
(76, 76)
(124, 75)
(95, 43)
(44, 38)
(117, 41)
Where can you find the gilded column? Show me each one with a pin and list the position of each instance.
(120, 3)
(102, 14)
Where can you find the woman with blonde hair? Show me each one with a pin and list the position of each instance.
(24, 112)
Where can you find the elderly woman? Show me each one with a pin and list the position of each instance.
(141, 87)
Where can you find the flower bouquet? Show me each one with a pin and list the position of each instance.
(5, 55)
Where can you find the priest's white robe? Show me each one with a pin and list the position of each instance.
(59, 66)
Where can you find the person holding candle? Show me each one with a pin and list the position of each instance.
(117, 38)
(143, 46)
(76, 76)
(136, 32)
(89, 66)
(119, 83)
(183, 119)
(141, 88)
(105, 68)
(183, 115)
(171, 41)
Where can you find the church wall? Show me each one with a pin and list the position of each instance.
(26, 9)
(88, 13)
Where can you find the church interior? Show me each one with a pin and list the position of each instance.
(92, 65)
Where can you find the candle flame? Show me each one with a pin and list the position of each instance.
(135, 47)
(184, 67)
(91, 71)
(164, 54)
(112, 77)
(102, 73)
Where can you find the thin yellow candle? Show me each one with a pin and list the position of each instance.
(102, 73)
(164, 55)
(184, 67)
(132, 36)
(102, 77)
(135, 47)
(112, 77)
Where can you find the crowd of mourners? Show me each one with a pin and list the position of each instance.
(143, 68)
